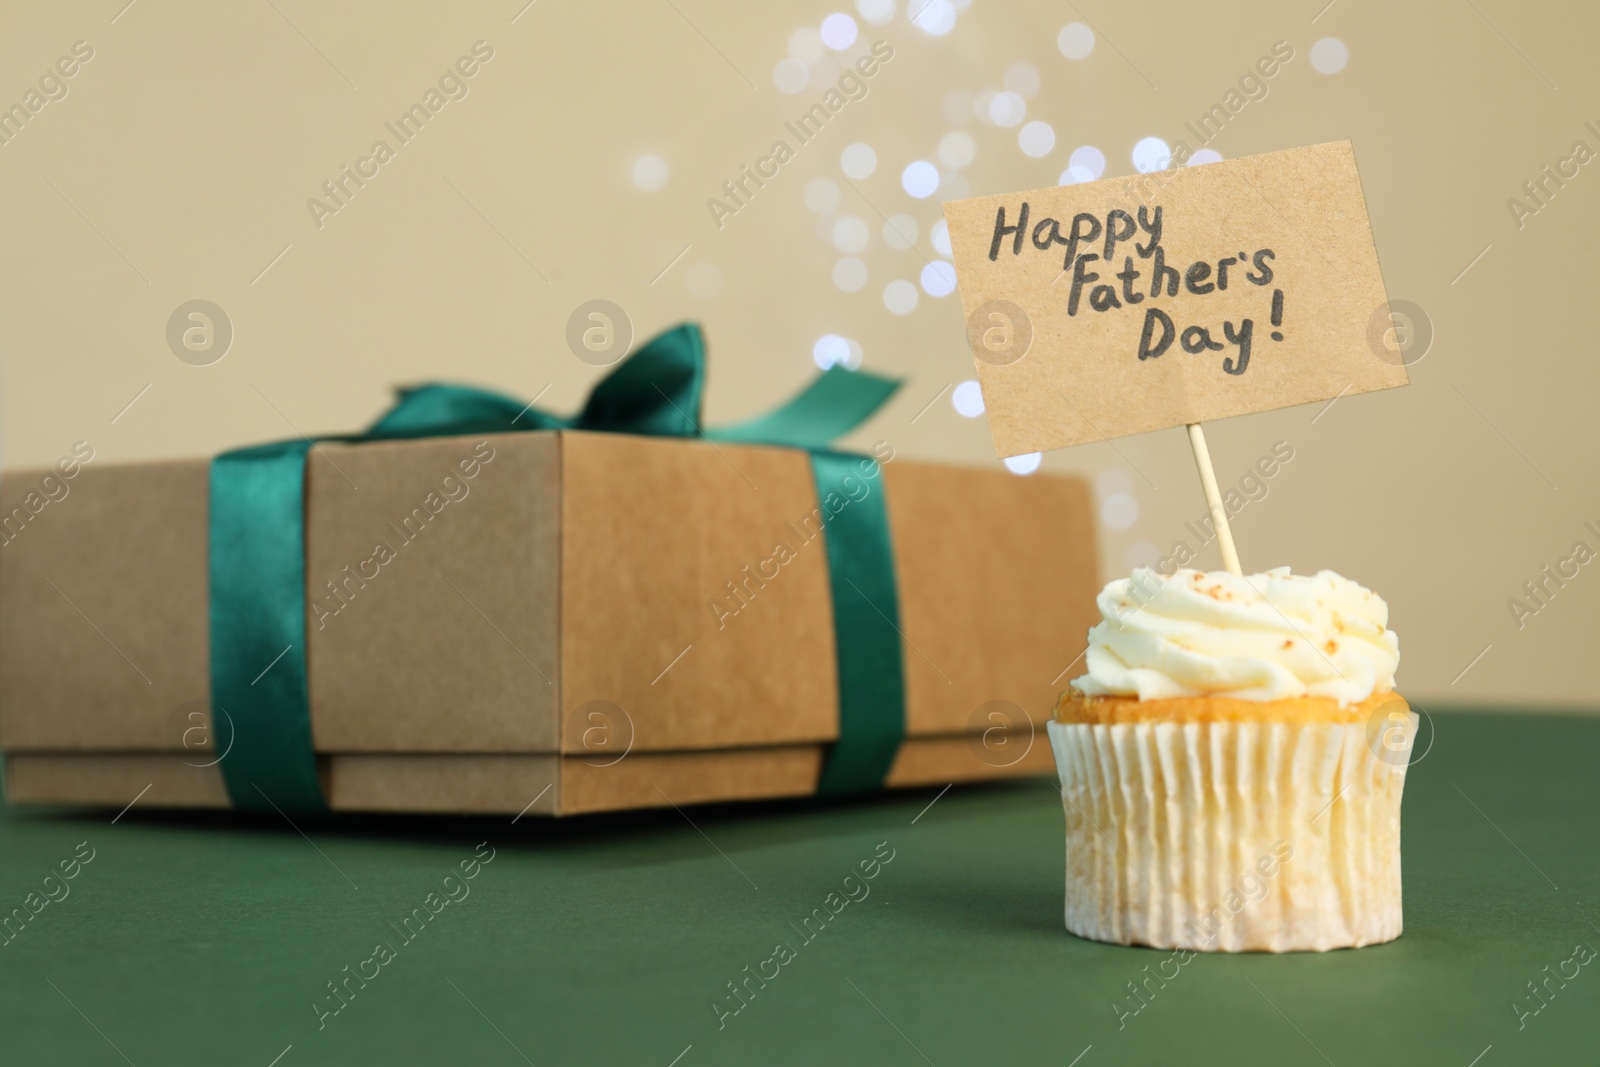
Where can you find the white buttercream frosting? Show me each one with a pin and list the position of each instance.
(1263, 637)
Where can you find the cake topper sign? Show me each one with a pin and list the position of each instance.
(1165, 299)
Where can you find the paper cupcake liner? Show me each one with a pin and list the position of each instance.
(1232, 837)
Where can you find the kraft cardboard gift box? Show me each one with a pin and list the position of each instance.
(585, 622)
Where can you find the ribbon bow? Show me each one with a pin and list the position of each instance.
(257, 557)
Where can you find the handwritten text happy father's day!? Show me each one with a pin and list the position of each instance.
(1086, 230)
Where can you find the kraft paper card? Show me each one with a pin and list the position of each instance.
(1196, 293)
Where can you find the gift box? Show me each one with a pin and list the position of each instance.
(476, 608)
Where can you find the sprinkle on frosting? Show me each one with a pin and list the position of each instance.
(1260, 637)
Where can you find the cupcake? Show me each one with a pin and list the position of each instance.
(1231, 765)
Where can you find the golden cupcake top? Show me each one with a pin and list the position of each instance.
(1073, 706)
(1254, 638)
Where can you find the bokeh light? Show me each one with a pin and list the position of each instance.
(858, 161)
(1151, 154)
(900, 297)
(933, 17)
(831, 350)
(980, 105)
(1329, 56)
(1022, 78)
(1119, 511)
(876, 12)
(822, 195)
(838, 31)
(1141, 554)
(791, 75)
(650, 173)
(938, 278)
(1007, 109)
(956, 149)
(1075, 40)
(1112, 480)
(1025, 464)
(920, 179)
(1036, 139)
(850, 234)
(805, 44)
(967, 399)
(849, 274)
(1089, 159)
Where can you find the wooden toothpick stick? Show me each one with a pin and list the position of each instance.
(1219, 515)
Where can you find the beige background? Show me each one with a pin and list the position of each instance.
(179, 164)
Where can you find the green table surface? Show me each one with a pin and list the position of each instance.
(607, 940)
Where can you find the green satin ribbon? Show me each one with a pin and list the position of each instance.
(257, 557)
